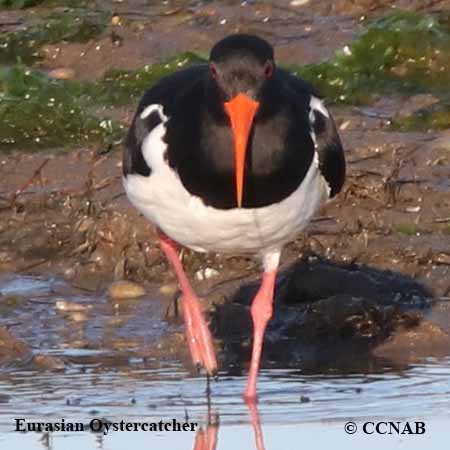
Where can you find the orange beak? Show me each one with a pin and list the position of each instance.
(241, 110)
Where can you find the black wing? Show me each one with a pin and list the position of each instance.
(329, 147)
(165, 93)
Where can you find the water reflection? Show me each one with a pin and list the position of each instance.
(206, 439)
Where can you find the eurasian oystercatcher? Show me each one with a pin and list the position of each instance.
(231, 156)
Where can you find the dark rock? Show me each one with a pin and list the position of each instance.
(326, 316)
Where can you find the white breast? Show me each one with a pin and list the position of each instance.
(162, 198)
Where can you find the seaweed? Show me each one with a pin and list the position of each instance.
(407, 229)
(435, 117)
(404, 52)
(71, 25)
(39, 112)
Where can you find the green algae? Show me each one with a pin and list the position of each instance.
(435, 117)
(407, 229)
(120, 87)
(39, 112)
(70, 25)
(404, 52)
(19, 3)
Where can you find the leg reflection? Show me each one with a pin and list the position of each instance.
(256, 424)
(207, 439)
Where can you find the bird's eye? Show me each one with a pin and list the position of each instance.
(268, 69)
(213, 71)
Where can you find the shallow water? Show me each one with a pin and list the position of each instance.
(106, 378)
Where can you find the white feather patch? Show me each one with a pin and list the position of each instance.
(151, 108)
(317, 105)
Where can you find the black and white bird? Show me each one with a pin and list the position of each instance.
(231, 156)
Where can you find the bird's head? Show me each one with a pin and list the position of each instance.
(240, 68)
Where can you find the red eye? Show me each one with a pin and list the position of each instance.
(213, 71)
(268, 69)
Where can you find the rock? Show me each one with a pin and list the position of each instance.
(11, 302)
(425, 340)
(67, 306)
(206, 274)
(78, 316)
(87, 280)
(62, 73)
(124, 289)
(12, 350)
(46, 362)
(325, 315)
(168, 289)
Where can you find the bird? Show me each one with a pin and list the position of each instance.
(234, 155)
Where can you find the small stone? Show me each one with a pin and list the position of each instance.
(86, 224)
(304, 399)
(412, 209)
(62, 73)
(344, 125)
(299, 2)
(78, 316)
(46, 362)
(116, 20)
(67, 306)
(168, 289)
(206, 274)
(124, 289)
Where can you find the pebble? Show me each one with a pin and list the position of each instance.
(168, 289)
(206, 274)
(62, 73)
(299, 2)
(47, 362)
(67, 306)
(344, 125)
(412, 209)
(124, 289)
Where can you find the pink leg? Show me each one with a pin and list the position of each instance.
(261, 311)
(197, 333)
(256, 424)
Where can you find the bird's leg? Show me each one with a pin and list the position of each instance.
(261, 312)
(197, 332)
